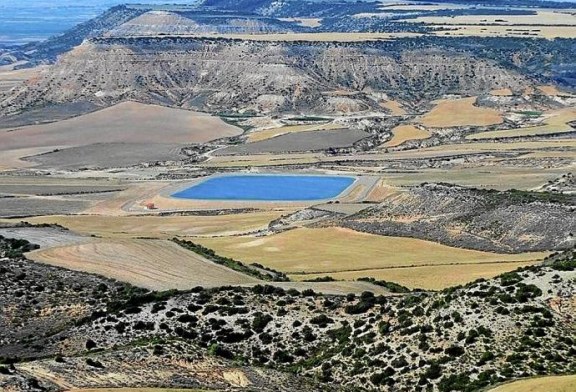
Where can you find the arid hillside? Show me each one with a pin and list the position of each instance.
(512, 221)
(220, 75)
(463, 338)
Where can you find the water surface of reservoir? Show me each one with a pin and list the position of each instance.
(267, 188)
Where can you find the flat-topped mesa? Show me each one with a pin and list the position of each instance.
(216, 75)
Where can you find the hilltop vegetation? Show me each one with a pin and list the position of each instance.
(459, 339)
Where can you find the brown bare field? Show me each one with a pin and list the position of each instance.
(548, 18)
(127, 122)
(152, 264)
(436, 277)
(523, 31)
(273, 132)
(540, 384)
(162, 226)
(460, 112)
(395, 108)
(405, 133)
(330, 250)
(555, 122)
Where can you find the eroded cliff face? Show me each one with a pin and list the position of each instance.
(217, 75)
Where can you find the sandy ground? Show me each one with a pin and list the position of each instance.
(459, 112)
(305, 250)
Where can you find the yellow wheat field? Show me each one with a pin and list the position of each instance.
(460, 112)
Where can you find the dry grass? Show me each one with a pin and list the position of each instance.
(460, 112)
(162, 227)
(273, 132)
(541, 384)
(431, 277)
(128, 122)
(305, 250)
(554, 122)
(404, 133)
(152, 264)
(395, 108)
